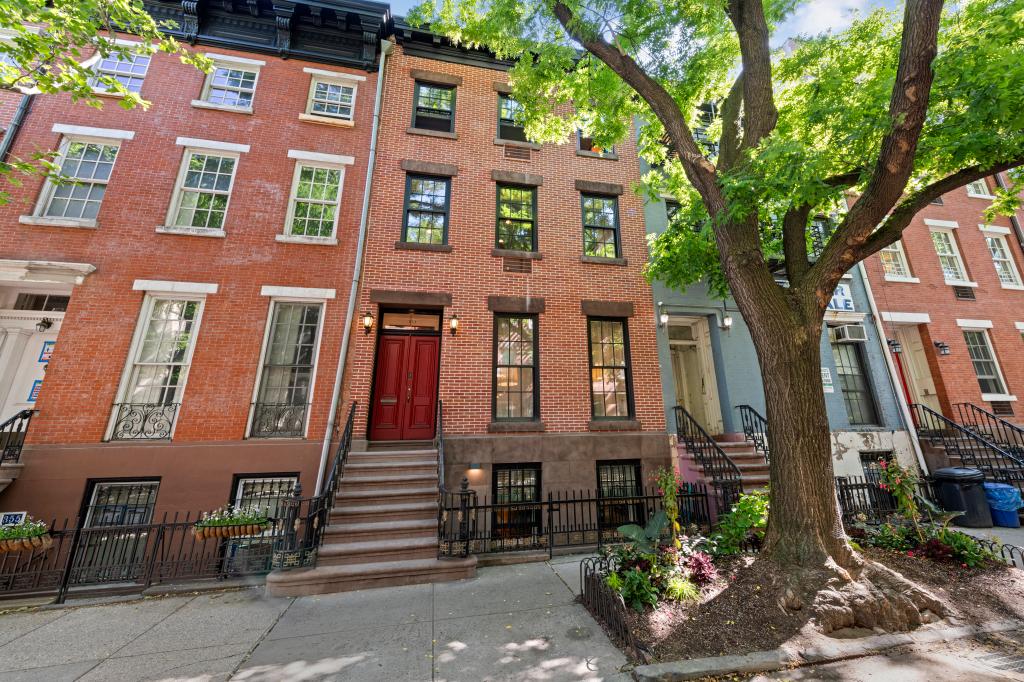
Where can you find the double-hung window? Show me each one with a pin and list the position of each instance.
(983, 358)
(894, 262)
(517, 512)
(517, 218)
(952, 264)
(129, 69)
(611, 380)
(510, 125)
(853, 382)
(1006, 269)
(600, 226)
(159, 367)
(426, 209)
(286, 376)
(979, 189)
(316, 196)
(332, 96)
(617, 482)
(231, 84)
(516, 394)
(264, 493)
(200, 201)
(434, 107)
(85, 168)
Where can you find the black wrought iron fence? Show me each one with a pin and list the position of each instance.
(861, 496)
(475, 524)
(603, 602)
(12, 436)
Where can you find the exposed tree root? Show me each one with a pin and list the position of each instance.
(876, 598)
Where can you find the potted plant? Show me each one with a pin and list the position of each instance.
(25, 535)
(230, 522)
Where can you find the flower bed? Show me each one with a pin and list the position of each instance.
(26, 535)
(230, 522)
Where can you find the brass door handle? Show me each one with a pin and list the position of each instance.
(408, 395)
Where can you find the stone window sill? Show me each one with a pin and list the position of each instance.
(614, 425)
(416, 246)
(598, 260)
(43, 221)
(513, 253)
(431, 133)
(191, 231)
(1013, 287)
(998, 397)
(303, 239)
(905, 280)
(990, 197)
(952, 283)
(326, 120)
(203, 104)
(516, 427)
(597, 155)
(516, 143)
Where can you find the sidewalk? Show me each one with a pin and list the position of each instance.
(510, 623)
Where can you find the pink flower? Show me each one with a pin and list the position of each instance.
(910, 552)
(883, 486)
(964, 565)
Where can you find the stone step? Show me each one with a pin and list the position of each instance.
(379, 513)
(756, 480)
(395, 482)
(387, 496)
(359, 467)
(376, 551)
(367, 530)
(329, 579)
(392, 456)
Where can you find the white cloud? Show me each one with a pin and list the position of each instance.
(819, 16)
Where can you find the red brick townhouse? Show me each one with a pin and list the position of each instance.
(176, 316)
(504, 279)
(950, 295)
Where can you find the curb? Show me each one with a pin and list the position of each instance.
(825, 652)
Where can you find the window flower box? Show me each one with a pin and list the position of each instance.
(27, 535)
(231, 522)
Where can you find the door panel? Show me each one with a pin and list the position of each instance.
(915, 367)
(422, 389)
(389, 388)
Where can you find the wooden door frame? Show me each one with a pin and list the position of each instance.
(712, 404)
(381, 332)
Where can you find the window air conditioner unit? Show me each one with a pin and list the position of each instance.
(850, 333)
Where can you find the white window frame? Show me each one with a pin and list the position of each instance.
(896, 248)
(7, 36)
(94, 60)
(949, 228)
(223, 61)
(334, 78)
(290, 295)
(206, 147)
(972, 190)
(999, 234)
(314, 160)
(984, 326)
(151, 296)
(71, 134)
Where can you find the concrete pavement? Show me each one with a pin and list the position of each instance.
(510, 623)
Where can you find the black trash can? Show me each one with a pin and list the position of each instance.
(961, 489)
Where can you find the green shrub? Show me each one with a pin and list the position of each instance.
(26, 529)
(747, 520)
(233, 516)
(891, 537)
(637, 590)
(678, 588)
(966, 549)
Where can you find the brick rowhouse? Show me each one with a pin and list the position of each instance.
(468, 278)
(78, 437)
(951, 294)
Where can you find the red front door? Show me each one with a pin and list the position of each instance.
(405, 388)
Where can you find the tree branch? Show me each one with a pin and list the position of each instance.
(794, 243)
(728, 148)
(759, 112)
(699, 171)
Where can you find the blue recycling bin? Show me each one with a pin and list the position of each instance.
(1004, 500)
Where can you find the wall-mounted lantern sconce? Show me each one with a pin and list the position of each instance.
(453, 324)
(894, 345)
(726, 322)
(942, 347)
(43, 324)
(367, 322)
(662, 315)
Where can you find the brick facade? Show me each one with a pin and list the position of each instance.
(66, 438)
(904, 304)
(569, 441)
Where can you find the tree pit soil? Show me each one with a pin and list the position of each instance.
(741, 613)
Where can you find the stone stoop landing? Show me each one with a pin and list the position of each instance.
(753, 468)
(383, 528)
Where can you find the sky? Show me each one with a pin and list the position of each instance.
(812, 17)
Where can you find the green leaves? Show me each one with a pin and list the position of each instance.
(646, 539)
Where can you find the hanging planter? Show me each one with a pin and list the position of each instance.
(28, 535)
(231, 522)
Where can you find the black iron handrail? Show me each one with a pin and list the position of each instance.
(755, 429)
(718, 467)
(12, 436)
(452, 533)
(1008, 436)
(144, 421)
(974, 449)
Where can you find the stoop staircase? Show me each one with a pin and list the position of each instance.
(382, 530)
(12, 439)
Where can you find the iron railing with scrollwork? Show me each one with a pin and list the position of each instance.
(720, 470)
(454, 506)
(1008, 436)
(12, 436)
(755, 429)
(144, 421)
(278, 420)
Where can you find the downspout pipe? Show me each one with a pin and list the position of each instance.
(385, 50)
(12, 130)
(901, 398)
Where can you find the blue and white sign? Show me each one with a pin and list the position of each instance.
(842, 300)
(47, 351)
(12, 518)
(33, 392)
